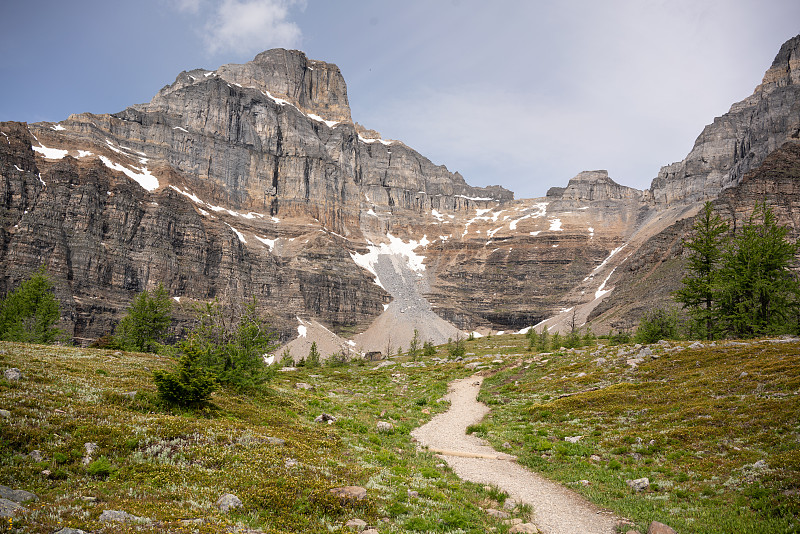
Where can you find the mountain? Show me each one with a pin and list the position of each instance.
(253, 181)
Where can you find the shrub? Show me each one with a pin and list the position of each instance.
(232, 345)
(29, 313)
(100, 468)
(146, 323)
(428, 349)
(657, 324)
(189, 386)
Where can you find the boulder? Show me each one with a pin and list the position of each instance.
(358, 524)
(350, 492)
(18, 496)
(325, 418)
(639, 484)
(118, 516)
(660, 528)
(524, 528)
(12, 374)
(383, 426)
(8, 508)
(228, 502)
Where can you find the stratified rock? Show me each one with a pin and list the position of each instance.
(18, 495)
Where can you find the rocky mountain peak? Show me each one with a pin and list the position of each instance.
(314, 86)
(595, 185)
(785, 70)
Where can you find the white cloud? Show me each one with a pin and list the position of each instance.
(187, 6)
(248, 26)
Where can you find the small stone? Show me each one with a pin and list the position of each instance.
(413, 494)
(633, 532)
(227, 502)
(350, 492)
(12, 374)
(512, 522)
(275, 441)
(325, 418)
(510, 504)
(761, 464)
(383, 426)
(645, 352)
(90, 449)
(290, 462)
(499, 514)
(524, 528)
(573, 439)
(303, 385)
(358, 524)
(660, 528)
(744, 374)
(595, 458)
(370, 531)
(88, 498)
(8, 508)
(129, 394)
(46, 473)
(36, 455)
(5, 414)
(639, 484)
(121, 517)
(584, 483)
(67, 530)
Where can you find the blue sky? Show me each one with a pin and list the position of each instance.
(525, 94)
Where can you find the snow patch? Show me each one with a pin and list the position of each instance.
(317, 118)
(395, 247)
(537, 232)
(437, 215)
(181, 129)
(539, 210)
(141, 176)
(238, 234)
(370, 141)
(269, 242)
(302, 331)
(555, 225)
(605, 261)
(50, 153)
(176, 299)
(84, 154)
(601, 291)
(20, 170)
(58, 127)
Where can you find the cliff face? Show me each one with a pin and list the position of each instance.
(252, 181)
(739, 140)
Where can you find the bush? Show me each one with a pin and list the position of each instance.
(29, 313)
(428, 349)
(146, 323)
(189, 386)
(100, 468)
(657, 324)
(231, 345)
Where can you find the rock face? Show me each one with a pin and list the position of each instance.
(739, 140)
(253, 181)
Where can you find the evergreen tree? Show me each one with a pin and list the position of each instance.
(232, 345)
(313, 356)
(29, 313)
(414, 346)
(190, 385)
(146, 323)
(705, 246)
(758, 290)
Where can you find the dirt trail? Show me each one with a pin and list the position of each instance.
(557, 510)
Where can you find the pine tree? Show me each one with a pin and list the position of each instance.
(313, 356)
(699, 285)
(29, 313)
(146, 323)
(758, 290)
(190, 385)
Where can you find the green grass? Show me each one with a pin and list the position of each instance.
(172, 466)
(691, 421)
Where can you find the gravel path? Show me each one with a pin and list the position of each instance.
(557, 510)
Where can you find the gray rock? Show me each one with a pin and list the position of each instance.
(358, 524)
(383, 426)
(12, 374)
(9, 508)
(639, 484)
(290, 462)
(118, 516)
(350, 492)
(36, 456)
(370, 531)
(5, 414)
(89, 449)
(573, 439)
(660, 528)
(645, 352)
(228, 502)
(524, 528)
(325, 418)
(303, 385)
(17, 495)
(510, 504)
(67, 530)
(499, 514)
(412, 494)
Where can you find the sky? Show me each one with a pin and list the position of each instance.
(524, 93)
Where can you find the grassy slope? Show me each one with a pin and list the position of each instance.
(702, 426)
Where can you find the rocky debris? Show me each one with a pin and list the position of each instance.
(5, 414)
(18, 496)
(357, 524)
(350, 492)
(228, 502)
(524, 528)
(89, 450)
(572, 439)
(383, 426)
(660, 528)
(325, 418)
(385, 363)
(118, 516)
(67, 530)
(303, 385)
(639, 484)
(12, 374)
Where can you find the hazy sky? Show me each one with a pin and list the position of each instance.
(525, 94)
